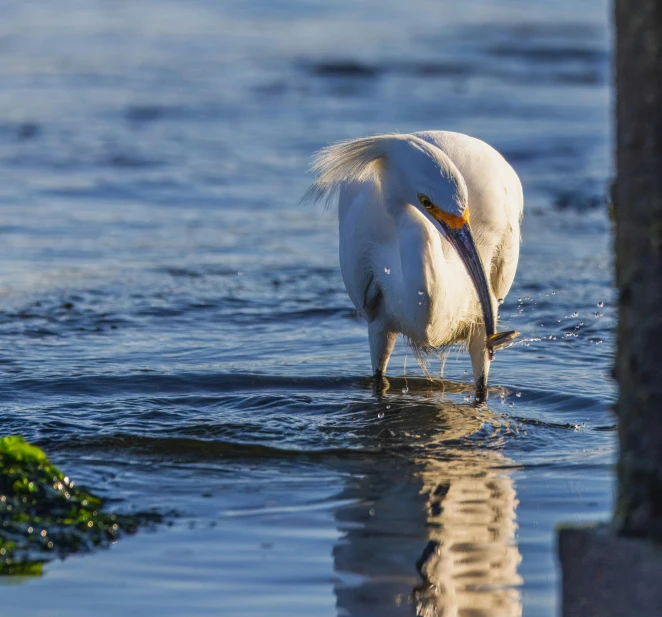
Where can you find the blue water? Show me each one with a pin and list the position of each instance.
(175, 332)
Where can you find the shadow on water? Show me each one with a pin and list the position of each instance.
(432, 531)
(441, 540)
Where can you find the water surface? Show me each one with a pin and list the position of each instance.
(175, 332)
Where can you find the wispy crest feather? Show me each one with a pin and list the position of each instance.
(345, 161)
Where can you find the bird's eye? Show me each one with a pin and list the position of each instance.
(425, 201)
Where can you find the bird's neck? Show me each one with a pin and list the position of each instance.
(434, 285)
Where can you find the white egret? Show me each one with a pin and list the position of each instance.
(429, 239)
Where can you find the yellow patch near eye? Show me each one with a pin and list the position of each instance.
(454, 222)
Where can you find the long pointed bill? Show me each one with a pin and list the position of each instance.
(464, 244)
(462, 241)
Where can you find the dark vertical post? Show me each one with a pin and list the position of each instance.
(609, 571)
(638, 213)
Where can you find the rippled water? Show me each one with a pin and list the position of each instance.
(176, 334)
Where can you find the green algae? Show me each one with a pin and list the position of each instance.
(44, 514)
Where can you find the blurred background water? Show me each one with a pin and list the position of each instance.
(175, 332)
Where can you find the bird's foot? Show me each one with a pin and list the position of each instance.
(381, 383)
(481, 390)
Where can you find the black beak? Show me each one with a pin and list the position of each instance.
(463, 242)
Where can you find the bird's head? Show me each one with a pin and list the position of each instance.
(419, 173)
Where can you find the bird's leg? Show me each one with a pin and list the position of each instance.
(382, 342)
(480, 361)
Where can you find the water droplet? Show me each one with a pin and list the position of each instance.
(519, 299)
(553, 293)
(575, 314)
(558, 321)
(240, 273)
(511, 404)
(405, 390)
(518, 394)
(500, 301)
(420, 292)
(388, 407)
(380, 415)
(420, 304)
(387, 270)
(601, 304)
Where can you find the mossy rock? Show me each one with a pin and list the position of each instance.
(44, 515)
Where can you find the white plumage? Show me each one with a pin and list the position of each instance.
(413, 212)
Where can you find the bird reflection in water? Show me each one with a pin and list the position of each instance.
(469, 565)
(431, 531)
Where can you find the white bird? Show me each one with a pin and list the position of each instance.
(429, 239)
